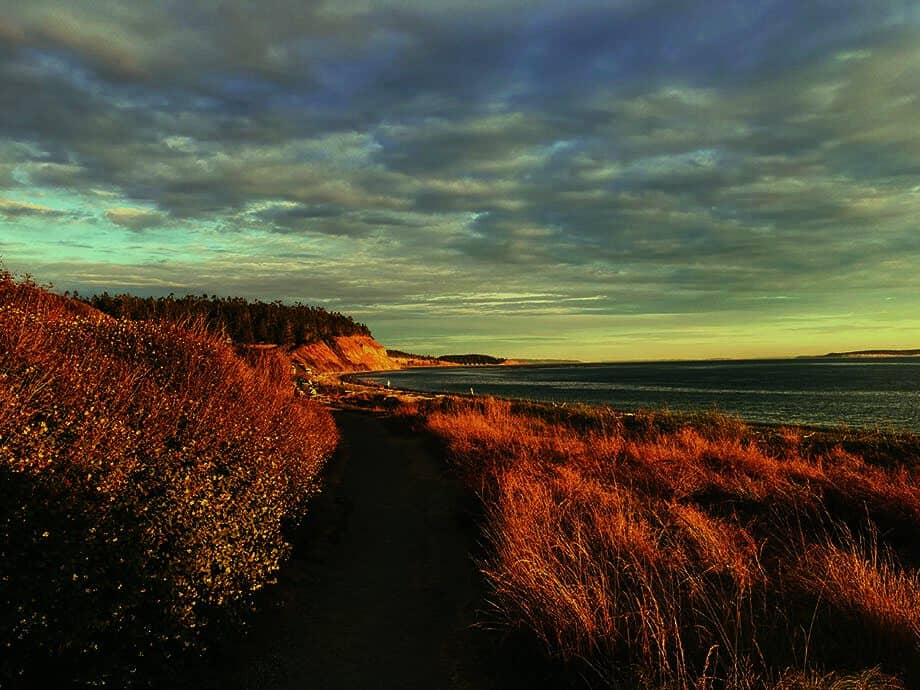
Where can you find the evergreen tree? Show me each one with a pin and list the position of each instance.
(241, 320)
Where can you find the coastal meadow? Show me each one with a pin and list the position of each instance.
(664, 551)
(147, 472)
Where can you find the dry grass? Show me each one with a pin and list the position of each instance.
(146, 472)
(859, 581)
(667, 552)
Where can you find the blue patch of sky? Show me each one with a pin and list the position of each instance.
(58, 65)
(249, 94)
(67, 68)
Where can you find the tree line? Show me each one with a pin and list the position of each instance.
(453, 359)
(471, 359)
(242, 320)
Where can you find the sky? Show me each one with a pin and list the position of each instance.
(620, 180)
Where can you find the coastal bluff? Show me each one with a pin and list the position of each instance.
(345, 353)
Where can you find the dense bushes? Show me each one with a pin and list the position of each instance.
(145, 473)
(667, 553)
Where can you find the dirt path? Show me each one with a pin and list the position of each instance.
(382, 591)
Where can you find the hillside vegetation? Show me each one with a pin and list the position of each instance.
(146, 473)
(242, 320)
(471, 359)
(656, 551)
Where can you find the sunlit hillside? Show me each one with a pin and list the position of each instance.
(146, 473)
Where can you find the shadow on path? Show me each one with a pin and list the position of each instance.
(381, 591)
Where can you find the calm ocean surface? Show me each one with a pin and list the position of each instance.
(827, 392)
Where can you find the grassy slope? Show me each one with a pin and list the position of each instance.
(661, 552)
(145, 474)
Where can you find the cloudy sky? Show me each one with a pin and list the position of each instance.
(629, 179)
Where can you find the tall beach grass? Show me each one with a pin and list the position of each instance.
(657, 551)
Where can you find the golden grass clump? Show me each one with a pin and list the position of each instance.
(860, 581)
(663, 552)
(147, 472)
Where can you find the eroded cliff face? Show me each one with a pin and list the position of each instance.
(344, 354)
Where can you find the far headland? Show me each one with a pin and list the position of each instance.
(875, 353)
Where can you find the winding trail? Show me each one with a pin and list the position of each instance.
(382, 590)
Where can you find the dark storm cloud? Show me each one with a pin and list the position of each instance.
(664, 155)
(327, 219)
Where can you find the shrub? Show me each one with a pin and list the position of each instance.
(145, 474)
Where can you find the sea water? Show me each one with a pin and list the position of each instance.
(867, 393)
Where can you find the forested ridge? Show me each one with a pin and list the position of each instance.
(242, 320)
(471, 359)
(450, 359)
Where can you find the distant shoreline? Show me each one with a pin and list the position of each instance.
(869, 354)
